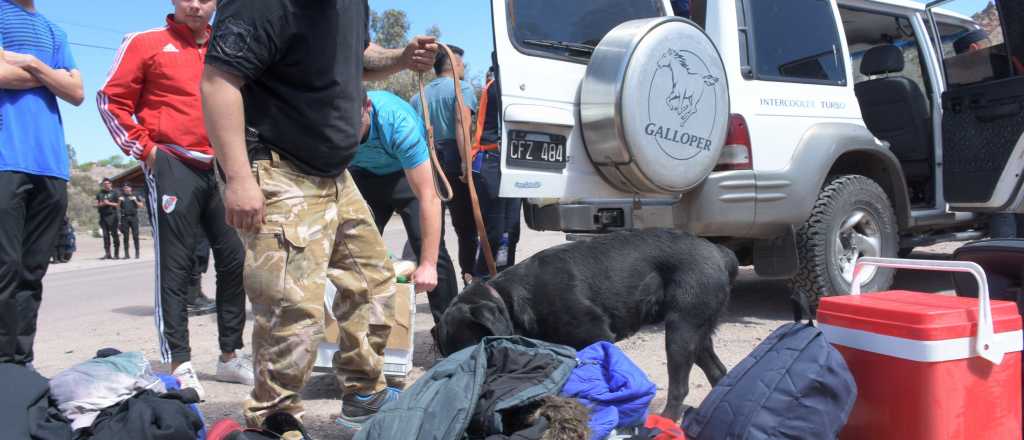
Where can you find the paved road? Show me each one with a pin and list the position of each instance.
(90, 304)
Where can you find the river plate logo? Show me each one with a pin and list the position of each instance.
(678, 122)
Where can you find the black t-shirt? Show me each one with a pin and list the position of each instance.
(302, 62)
(109, 196)
(492, 118)
(128, 206)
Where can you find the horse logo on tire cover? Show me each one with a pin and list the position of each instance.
(681, 85)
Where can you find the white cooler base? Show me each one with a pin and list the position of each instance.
(396, 362)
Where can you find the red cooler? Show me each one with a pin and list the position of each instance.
(928, 366)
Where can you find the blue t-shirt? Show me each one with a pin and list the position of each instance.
(31, 132)
(397, 139)
(441, 101)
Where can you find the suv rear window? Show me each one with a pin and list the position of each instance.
(796, 41)
(980, 54)
(569, 29)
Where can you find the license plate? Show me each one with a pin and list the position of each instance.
(531, 149)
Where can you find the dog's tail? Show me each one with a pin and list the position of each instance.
(732, 264)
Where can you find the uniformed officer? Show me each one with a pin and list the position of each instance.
(106, 204)
(130, 204)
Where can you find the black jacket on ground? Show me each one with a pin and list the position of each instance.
(148, 416)
(488, 383)
(25, 408)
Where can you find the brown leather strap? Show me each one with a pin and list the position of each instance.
(465, 154)
(440, 179)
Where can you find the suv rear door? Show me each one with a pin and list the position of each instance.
(543, 48)
(982, 105)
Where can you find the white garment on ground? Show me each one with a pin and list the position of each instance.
(86, 389)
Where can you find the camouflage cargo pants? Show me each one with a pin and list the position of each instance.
(317, 229)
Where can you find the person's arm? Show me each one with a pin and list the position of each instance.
(138, 201)
(421, 180)
(224, 114)
(117, 100)
(380, 63)
(99, 201)
(66, 84)
(15, 78)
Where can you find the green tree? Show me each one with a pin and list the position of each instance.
(434, 31)
(116, 161)
(390, 28)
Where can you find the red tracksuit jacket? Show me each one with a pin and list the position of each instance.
(155, 79)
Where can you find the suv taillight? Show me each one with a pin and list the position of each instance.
(736, 154)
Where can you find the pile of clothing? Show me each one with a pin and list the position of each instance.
(26, 409)
(112, 396)
(516, 388)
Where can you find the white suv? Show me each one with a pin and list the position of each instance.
(803, 134)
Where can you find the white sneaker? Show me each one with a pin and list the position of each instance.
(236, 370)
(187, 376)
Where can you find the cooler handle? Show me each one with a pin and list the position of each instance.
(984, 343)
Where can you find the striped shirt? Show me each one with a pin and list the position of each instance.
(31, 133)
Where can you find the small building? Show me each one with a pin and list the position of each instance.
(132, 176)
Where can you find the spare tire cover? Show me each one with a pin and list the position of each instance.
(654, 106)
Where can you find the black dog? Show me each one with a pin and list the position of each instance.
(607, 288)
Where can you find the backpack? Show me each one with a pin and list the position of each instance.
(794, 385)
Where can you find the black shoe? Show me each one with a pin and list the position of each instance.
(136, 255)
(126, 256)
(356, 409)
(106, 257)
(201, 306)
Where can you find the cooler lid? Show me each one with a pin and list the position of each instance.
(914, 315)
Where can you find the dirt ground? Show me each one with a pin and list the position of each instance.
(89, 304)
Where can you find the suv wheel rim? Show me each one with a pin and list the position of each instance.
(857, 236)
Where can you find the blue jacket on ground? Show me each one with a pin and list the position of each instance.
(615, 389)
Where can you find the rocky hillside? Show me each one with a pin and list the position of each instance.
(988, 19)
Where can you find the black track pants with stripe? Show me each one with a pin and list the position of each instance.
(182, 199)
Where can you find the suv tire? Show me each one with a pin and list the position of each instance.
(852, 218)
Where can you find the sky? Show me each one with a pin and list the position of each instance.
(95, 29)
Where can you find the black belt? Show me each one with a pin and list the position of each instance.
(256, 149)
(259, 152)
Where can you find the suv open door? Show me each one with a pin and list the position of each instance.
(982, 159)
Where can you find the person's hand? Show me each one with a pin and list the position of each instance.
(244, 204)
(425, 278)
(19, 60)
(151, 159)
(420, 53)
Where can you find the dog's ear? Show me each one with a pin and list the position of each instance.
(492, 317)
(520, 311)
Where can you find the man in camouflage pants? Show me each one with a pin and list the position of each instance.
(326, 232)
(299, 213)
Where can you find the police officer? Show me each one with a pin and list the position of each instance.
(106, 204)
(130, 204)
